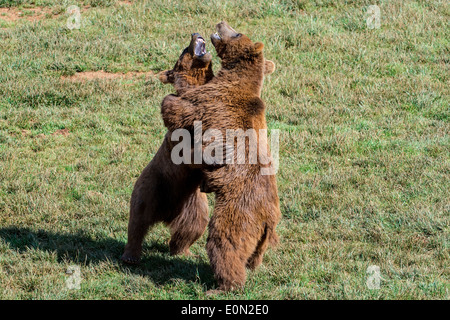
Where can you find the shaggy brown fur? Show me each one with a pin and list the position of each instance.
(166, 192)
(247, 205)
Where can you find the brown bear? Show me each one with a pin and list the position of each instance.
(246, 201)
(167, 192)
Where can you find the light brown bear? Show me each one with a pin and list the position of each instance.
(167, 192)
(246, 201)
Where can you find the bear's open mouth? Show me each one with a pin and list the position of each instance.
(199, 47)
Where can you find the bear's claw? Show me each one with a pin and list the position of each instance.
(130, 260)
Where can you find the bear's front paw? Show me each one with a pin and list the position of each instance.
(168, 111)
(167, 102)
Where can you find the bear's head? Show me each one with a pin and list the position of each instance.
(237, 51)
(243, 58)
(193, 67)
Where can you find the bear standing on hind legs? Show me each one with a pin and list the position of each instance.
(167, 192)
(247, 206)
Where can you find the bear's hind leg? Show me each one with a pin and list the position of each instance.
(138, 226)
(256, 258)
(230, 245)
(190, 224)
(228, 266)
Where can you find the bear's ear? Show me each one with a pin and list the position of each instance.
(258, 47)
(269, 67)
(166, 76)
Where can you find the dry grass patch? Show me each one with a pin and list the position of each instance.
(103, 75)
(30, 14)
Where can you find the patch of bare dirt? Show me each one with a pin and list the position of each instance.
(103, 75)
(27, 133)
(62, 132)
(124, 3)
(30, 14)
(39, 13)
(34, 14)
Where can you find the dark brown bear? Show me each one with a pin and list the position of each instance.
(247, 206)
(166, 192)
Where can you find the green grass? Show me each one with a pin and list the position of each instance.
(364, 148)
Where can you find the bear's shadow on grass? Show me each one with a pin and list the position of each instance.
(82, 249)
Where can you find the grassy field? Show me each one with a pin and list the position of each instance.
(364, 128)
